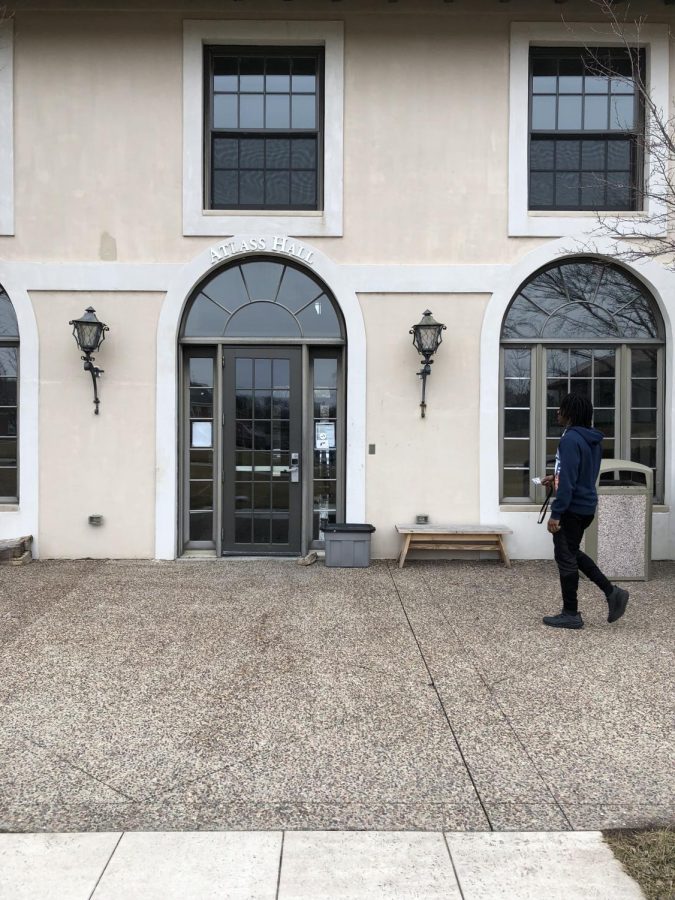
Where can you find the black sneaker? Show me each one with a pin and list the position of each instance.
(564, 620)
(617, 602)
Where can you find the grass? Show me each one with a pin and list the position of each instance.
(648, 855)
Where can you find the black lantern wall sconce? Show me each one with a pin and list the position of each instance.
(427, 337)
(89, 334)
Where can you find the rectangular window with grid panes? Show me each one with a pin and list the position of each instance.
(263, 128)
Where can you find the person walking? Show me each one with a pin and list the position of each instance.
(577, 465)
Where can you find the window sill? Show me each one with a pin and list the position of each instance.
(264, 213)
(292, 223)
(9, 507)
(587, 213)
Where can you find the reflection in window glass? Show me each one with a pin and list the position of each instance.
(575, 320)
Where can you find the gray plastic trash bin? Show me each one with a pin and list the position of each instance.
(620, 536)
(347, 544)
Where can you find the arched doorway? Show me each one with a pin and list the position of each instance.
(262, 410)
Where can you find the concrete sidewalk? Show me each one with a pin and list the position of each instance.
(264, 696)
(311, 866)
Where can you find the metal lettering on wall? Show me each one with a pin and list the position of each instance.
(276, 244)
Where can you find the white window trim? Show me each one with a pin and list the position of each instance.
(7, 127)
(197, 220)
(523, 222)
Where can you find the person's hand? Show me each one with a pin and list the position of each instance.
(547, 479)
(553, 525)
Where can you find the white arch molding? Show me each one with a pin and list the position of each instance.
(17, 520)
(240, 247)
(529, 540)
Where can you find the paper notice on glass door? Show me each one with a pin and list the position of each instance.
(324, 436)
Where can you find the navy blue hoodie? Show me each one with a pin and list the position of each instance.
(577, 465)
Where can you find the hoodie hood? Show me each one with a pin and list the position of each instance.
(591, 435)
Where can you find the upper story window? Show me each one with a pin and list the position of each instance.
(586, 118)
(263, 122)
(9, 381)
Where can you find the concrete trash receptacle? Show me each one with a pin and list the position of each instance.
(347, 544)
(620, 536)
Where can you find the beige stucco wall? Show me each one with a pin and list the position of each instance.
(101, 464)
(98, 119)
(420, 465)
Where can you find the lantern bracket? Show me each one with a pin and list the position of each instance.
(95, 373)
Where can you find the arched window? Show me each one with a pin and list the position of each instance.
(9, 382)
(588, 326)
(263, 299)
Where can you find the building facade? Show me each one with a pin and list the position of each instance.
(260, 199)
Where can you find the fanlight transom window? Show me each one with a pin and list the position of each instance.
(582, 301)
(264, 299)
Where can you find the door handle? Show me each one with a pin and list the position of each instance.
(295, 467)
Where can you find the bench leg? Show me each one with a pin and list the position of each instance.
(404, 551)
(504, 555)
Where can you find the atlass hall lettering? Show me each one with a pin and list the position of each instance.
(275, 244)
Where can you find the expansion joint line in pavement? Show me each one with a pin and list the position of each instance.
(454, 867)
(495, 699)
(432, 684)
(281, 860)
(98, 880)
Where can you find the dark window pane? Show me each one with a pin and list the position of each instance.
(251, 188)
(604, 389)
(556, 389)
(225, 188)
(557, 363)
(201, 402)
(304, 75)
(7, 422)
(243, 498)
(593, 190)
(643, 363)
(581, 386)
(603, 420)
(517, 392)
(643, 423)
(225, 153)
(618, 155)
(643, 392)
(593, 155)
(541, 190)
(242, 529)
(516, 423)
(201, 495)
(516, 362)
(618, 190)
(303, 188)
(278, 189)
(643, 451)
(201, 526)
(280, 407)
(201, 464)
(201, 372)
(8, 323)
(604, 362)
(9, 359)
(244, 436)
(244, 404)
(251, 153)
(303, 153)
(280, 435)
(567, 188)
(262, 439)
(516, 483)
(278, 153)
(263, 405)
(325, 403)
(261, 529)
(568, 155)
(281, 374)
(517, 453)
(541, 154)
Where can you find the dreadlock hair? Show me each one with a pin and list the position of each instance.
(578, 409)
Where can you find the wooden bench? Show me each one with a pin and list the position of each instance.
(453, 537)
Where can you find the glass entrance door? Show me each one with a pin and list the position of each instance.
(262, 450)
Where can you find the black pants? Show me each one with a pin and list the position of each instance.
(571, 560)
